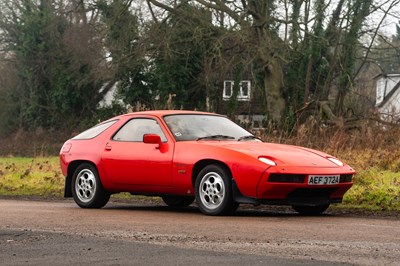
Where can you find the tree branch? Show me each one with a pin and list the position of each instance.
(393, 4)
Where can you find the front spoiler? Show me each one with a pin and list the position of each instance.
(322, 197)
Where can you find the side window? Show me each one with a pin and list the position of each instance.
(136, 128)
(95, 131)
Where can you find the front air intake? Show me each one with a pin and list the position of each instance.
(346, 178)
(286, 178)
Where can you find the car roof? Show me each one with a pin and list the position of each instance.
(161, 113)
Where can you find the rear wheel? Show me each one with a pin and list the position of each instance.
(87, 189)
(214, 191)
(177, 201)
(310, 210)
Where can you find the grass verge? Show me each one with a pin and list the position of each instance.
(31, 177)
(375, 188)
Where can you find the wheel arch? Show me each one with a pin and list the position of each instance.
(236, 194)
(203, 163)
(71, 170)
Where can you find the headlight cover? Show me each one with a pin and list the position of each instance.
(267, 161)
(335, 161)
(66, 148)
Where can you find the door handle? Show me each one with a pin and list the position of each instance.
(108, 147)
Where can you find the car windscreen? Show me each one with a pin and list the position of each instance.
(95, 131)
(196, 127)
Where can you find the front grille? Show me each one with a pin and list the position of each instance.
(286, 178)
(306, 197)
(311, 193)
(299, 178)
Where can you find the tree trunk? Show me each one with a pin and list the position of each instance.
(273, 91)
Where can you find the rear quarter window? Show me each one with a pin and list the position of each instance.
(95, 131)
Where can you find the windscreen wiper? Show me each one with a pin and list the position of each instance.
(216, 137)
(247, 137)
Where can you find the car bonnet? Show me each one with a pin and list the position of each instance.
(282, 154)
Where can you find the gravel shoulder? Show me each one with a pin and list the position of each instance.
(48, 248)
(278, 233)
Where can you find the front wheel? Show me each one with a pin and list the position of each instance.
(87, 189)
(214, 191)
(311, 210)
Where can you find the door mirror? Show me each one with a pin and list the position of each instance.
(152, 139)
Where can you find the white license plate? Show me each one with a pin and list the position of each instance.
(323, 179)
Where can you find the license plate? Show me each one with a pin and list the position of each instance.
(323, 179)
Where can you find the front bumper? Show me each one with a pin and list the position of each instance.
(301, 193)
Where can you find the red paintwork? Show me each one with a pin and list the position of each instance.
(166, 168)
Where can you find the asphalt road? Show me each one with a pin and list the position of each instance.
(60, 233)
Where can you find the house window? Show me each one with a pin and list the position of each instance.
(243, 93)
(228, 89)
(380, 90)
(244, 90)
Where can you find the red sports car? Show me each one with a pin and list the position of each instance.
(184, 156)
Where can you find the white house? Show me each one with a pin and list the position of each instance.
(388, 96)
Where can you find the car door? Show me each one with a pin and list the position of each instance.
(127, 159)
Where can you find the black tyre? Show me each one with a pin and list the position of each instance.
(87, 189)
(214, 191)
(311, 210)
(177, 201)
